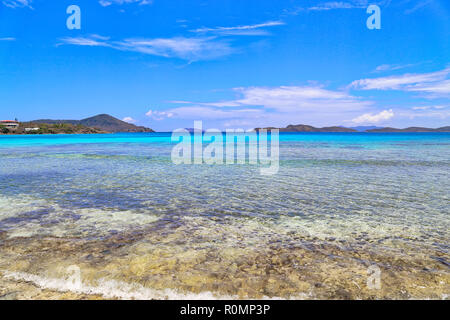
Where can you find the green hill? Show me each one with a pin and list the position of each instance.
(102, 122)
(50, 128)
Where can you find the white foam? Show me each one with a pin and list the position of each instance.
(111, 289)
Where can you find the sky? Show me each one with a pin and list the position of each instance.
(230, 63)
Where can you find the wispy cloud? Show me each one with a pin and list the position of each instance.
(434, 82)
(295, 98)
(276, 105)
(438, 107)
(372, 118)
(7, 39)
(255, 29)
(436, 89)
(290, 98)
(335, 5)
(209, 43)
(418, 5)
(350, 4)
(424, 113)
(191, 49)
(90, 41)
(159, 115)
(106, 3)
(17, 3)
(315, 104)
(393, 67)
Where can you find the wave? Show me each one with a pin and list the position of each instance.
(113, 289)
(110, 289)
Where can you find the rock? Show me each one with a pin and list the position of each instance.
(9, 296)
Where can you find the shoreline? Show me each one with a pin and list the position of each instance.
(29, 289)
(50, 134)
(223, 132)
(139, 264)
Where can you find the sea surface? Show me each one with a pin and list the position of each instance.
(347, 216)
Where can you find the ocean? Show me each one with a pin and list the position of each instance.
(347, 216)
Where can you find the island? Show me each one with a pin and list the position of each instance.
(410, 129)
(307, 128)
(102, 123)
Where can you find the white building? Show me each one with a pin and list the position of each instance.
(10, 124)
(31, 129)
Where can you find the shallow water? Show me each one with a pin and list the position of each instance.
(137, 226)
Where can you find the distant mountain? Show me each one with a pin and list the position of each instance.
(365, 128)
(443, 129)
(103, 122)
(306, 128)
(410, 129)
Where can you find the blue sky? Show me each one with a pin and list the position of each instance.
(230, 63)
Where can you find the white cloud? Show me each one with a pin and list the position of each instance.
(424, 113)
(349, 4)
(201, 47)
(129, 120)
(99, 37)
(433, 82)
(310, 104)
(436, 88)
(279, 106)
(295, 98)
(363, 4)
(334, 5)
(91, 41)
(429, 107)
(370, 118)
(191, 49)
(7, 39)
(385, 67)
(106, 3)
(392, 67)
(159, 115)
(17, 3)
(241, 30)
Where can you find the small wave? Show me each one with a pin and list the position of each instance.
(111, 289)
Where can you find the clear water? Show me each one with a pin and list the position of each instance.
(138, 226)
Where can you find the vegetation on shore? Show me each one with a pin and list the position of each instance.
(45, 128)
(102, 123)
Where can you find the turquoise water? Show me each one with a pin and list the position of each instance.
(138, 226)
(366, 139)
